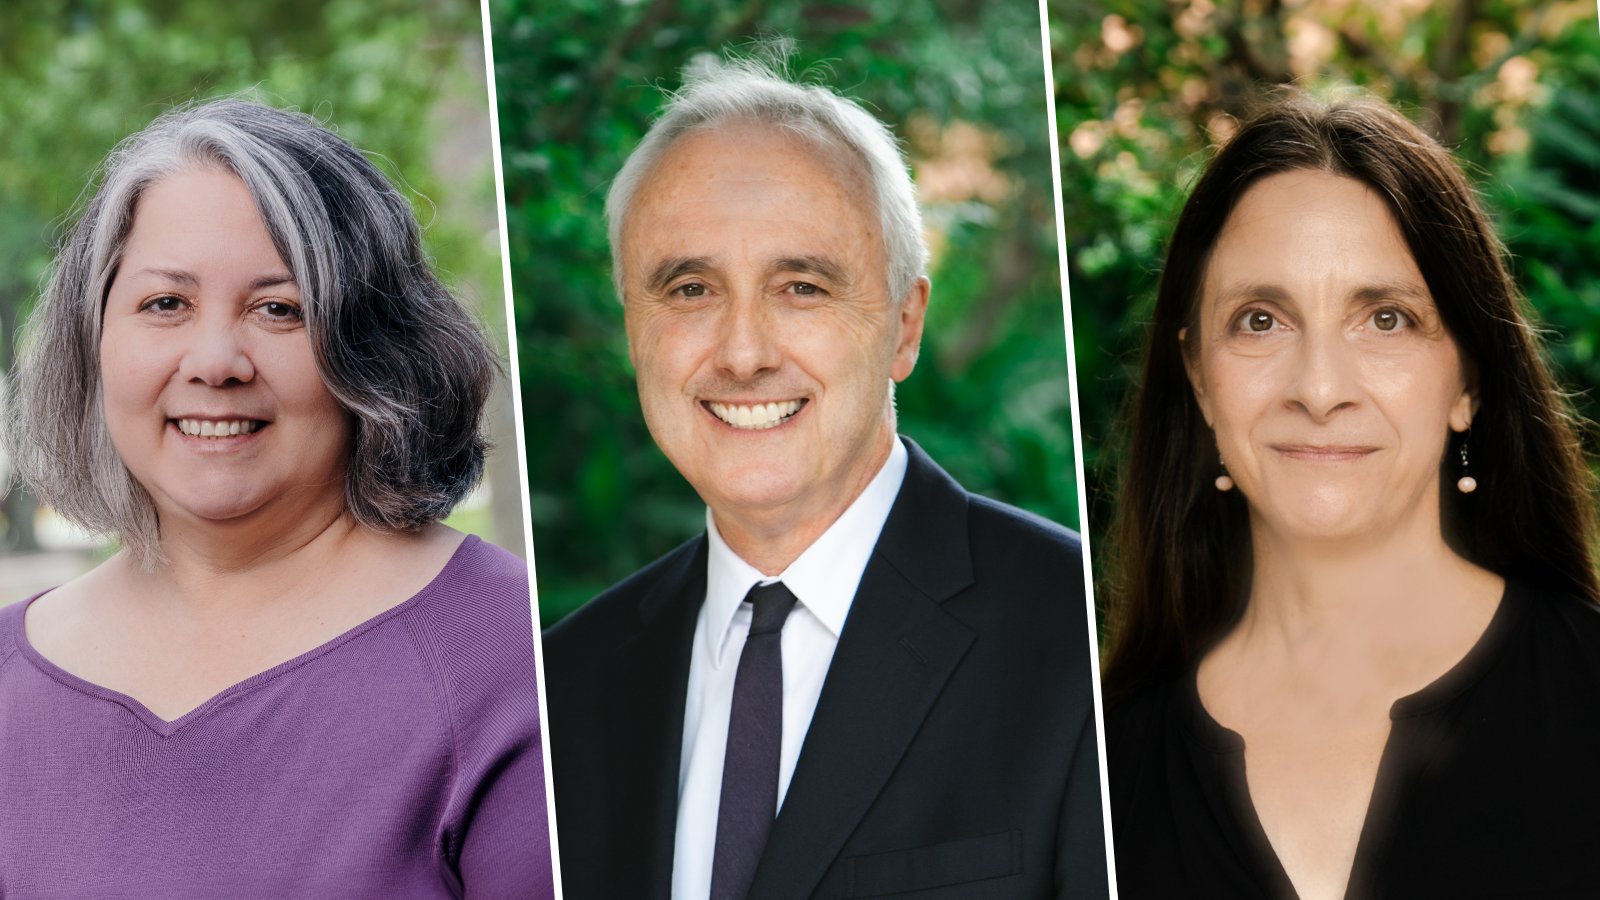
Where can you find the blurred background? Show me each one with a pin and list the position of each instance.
(1146, 89)
(961, 82)
(401, 79)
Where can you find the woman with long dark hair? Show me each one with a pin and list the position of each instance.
(1352, 608)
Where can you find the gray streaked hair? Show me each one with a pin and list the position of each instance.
(756, 89)
(395, 348)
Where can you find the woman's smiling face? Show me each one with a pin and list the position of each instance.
(1318, 356)
(209, 387)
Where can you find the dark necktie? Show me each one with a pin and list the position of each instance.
(749, 799)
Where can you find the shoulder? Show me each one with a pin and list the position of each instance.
(1571, 613)
(998, 523)
(475, 628)
(936, 516)
(1025, 553)
(1563, 631)
(619, 608)
(1010, 576)
(11, 628)
(481, 596)
(1139, 736)
(1135, 722)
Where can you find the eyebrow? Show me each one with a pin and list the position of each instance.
(1394, 290)
(187, 278)
(812, 265)
(674, 267)
(1272, 292)
(1369, 293)
(677, 266)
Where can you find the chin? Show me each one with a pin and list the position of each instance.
(1331, 523)
(754, 487)
(1321, 515)
(214, 506)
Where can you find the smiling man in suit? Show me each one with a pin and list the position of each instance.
(861, 680)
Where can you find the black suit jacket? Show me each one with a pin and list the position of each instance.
(952, 753)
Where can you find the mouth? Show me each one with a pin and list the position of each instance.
(754, 416)
(216, 428)
(1324, 452)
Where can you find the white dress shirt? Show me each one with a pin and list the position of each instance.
(824, 580)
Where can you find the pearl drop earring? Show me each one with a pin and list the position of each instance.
(1224, 482)
(1466, 484)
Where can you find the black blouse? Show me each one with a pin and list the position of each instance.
(1489, 785)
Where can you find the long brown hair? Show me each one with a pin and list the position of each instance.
(1181, 560)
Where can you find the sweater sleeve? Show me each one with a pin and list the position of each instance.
(494, 836)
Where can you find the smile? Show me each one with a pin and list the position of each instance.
(217, 428)
(1315, 453)
(755, 417)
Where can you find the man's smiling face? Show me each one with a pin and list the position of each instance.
(761, 325)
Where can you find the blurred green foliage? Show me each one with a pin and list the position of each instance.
(402, 79)
(1145, 89)
(961, 81)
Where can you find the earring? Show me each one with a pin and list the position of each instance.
(1224, 482)
(1466, 484)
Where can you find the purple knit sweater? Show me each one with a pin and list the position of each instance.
(399, 760)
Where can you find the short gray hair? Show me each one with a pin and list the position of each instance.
(755, 89)
(395, 348)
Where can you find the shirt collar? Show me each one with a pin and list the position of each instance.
(824, 578)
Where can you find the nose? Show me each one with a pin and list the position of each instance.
(747, 344)
(1326, 375)
(216, 353)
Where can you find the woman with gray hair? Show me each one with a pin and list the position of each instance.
(291, 680)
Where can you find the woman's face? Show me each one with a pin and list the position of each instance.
(210, 392)
(1318, 357)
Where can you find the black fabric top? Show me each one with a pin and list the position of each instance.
(1489, 785)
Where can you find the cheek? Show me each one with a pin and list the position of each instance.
(285, 367)
(331, 426)
(133, 371)
(841, 362)
(302, 382)
(1237, 390)
(667, 350)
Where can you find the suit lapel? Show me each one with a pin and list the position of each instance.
(646, 697)
(893, 659)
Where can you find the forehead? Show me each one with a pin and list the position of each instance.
(753, 187)
(1310, 231)
(194, 203)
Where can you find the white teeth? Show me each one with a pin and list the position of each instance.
(757, 417)
(216, 428)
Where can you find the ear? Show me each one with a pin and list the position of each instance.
(1464, 409)
(1192, 369)
(913, 313)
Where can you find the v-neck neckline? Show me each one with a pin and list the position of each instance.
(166, 728)
(1227, 746)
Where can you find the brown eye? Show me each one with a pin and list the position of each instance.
(1259, 321)
(692, 289)
(1388, 319)
(167, 304)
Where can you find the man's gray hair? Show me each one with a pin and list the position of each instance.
(395, 348)
(746, 90)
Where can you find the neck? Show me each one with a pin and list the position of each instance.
(772, 538)
(255, 557)
(1391, 596)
